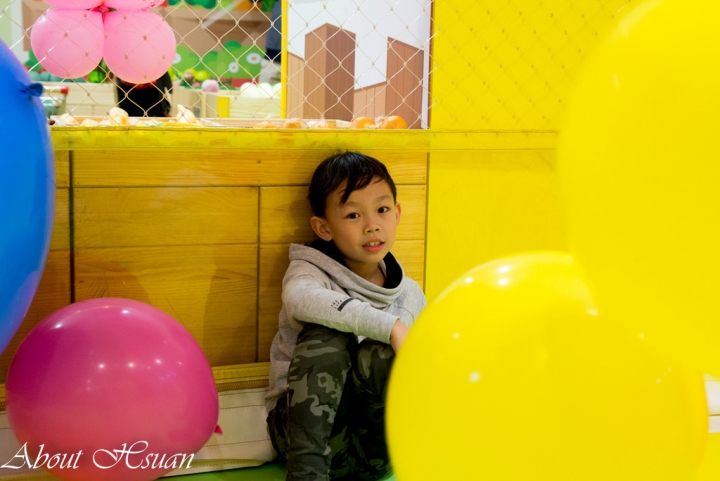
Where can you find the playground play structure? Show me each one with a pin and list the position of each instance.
(197, 221)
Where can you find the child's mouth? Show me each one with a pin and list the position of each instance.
(374, 246)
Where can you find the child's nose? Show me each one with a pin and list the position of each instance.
(372, 228)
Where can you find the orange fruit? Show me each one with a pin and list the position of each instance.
(362, 123)
(392, 122)
(294, 123)
(265, 124)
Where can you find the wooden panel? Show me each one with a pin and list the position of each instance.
(340, 77)
(411, 255)
(62, 168)
(404, 167)
(116, 168)
(296, 80)
(413, 202)
(404, 77)
(61, 225)
(115, 217)
(211, 290)
(273, 264)
(285, 214)
(329, 73)
(315, 69)
(52, 294)
(370, 101)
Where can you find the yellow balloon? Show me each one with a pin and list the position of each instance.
(639, 162)
(511, 374)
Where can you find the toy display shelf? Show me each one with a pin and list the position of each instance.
(84, 99)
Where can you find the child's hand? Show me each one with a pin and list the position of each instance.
(397, 335)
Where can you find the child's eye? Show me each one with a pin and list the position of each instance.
(353, 216)
(382, 210)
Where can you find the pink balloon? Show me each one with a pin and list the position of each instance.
(111, 374)
(68, 43)
(140, 46)
(75, 4)
(132, 4)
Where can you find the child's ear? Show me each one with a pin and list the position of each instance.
(319, 225)
(397, 213)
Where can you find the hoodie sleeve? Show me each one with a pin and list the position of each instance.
(416, 298)
(307, 299)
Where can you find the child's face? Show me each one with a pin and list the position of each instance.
(364, 227)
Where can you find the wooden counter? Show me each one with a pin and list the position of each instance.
(201, 233)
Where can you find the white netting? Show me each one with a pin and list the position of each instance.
(344, 59)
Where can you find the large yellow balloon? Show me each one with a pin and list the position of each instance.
(639, 160)
(512, 375)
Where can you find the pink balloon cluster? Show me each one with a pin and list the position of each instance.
(71, 39)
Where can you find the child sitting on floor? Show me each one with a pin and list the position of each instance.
(347, 307)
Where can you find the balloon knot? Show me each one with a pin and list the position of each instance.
(100, 8)
(217, 429)
(34, 89)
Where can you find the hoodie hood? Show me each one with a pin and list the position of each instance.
(327, 257)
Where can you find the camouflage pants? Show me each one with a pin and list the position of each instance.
(331, 424)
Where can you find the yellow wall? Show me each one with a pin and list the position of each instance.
(511, 65)
(502, 66)
(486, 204)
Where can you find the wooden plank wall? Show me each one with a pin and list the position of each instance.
(404, 82)
(295, 86)
(329, 73)
(370, 101)
(203, 236)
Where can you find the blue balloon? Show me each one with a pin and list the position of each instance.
(27, 192)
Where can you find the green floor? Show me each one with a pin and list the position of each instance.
(266, 472)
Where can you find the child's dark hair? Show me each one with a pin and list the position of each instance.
(355, 168)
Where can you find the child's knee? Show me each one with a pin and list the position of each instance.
(316, 341)
(374, 361)
(323, 356)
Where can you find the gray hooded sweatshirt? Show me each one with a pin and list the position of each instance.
(319, 288)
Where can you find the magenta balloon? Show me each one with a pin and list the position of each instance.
(75, 4)
(133, 4)
(103, 373)
(140, 46)
(68, 43)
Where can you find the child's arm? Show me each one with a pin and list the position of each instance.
(397, 335)
(306, 298)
